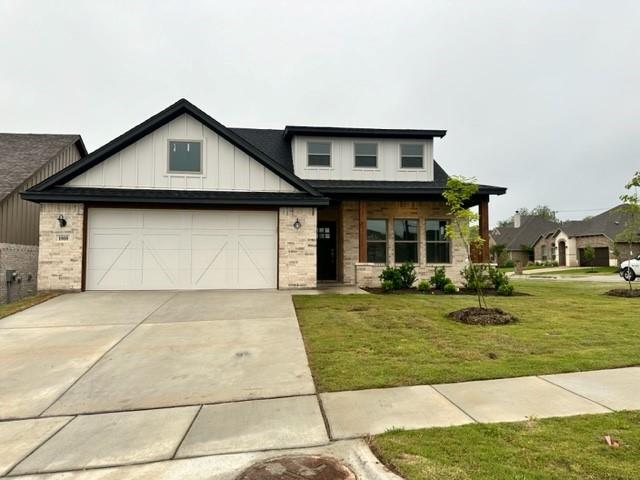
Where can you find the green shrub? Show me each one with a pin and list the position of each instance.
(506, 290)
(497, 277)
(407, 275)
(391, 277)
(423, 286)
(449, 288)
(439, 278)
(387, 286)
(508, 264)
(476, 276)
(400, 277)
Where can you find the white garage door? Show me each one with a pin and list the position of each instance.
(180, 249)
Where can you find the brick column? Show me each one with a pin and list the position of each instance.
(483, 208)
(60, 254)
(362, 231)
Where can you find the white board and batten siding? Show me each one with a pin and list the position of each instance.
(144, 164)
(343, 160)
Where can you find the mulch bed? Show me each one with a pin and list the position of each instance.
(482, 316)
(624, 292)
(489, 292)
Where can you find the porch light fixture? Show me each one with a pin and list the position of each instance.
(61, 221)
(297, 224)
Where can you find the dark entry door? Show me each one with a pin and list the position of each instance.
(562, 254)
(327, 250)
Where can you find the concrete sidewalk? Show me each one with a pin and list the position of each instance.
(359, 413)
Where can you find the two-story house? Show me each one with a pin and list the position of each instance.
(183, 202)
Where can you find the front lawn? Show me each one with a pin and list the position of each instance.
(588, 271)
(570, 448)
(7, 309)
(367, 341)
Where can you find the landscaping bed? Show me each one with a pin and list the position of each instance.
(624, 292)
(491, 292)
(571, 448)
(371, 341)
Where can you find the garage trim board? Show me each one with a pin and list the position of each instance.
(167, 249)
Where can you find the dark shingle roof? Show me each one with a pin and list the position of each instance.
(23, 154)
(608, 223)
(269, 141)
(530, 229)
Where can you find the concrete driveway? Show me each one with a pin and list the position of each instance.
(112, 351)
(97, 379)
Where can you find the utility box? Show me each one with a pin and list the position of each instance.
(9, 276)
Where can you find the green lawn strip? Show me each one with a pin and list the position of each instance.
(588, 271)
(369, 341)
(7, 309)
(558, 448)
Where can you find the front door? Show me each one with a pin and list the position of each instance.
(562, 254)
(327, 250)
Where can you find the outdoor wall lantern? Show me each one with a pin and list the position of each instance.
(61, 221)
(297, 224)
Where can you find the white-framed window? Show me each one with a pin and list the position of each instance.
(365, 154)
(185, 157)
(412, 155)
(318, 154)
(438, 245)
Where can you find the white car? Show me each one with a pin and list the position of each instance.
(630, 269)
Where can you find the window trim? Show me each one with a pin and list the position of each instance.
(355, 156)
(186, 173)
(385, 241)
(409, 169)
(426, 242)
(330, 143)
(416, 241)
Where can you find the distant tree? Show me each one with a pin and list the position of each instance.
(630, 232)
(588, 255)
(463, 222)
(543, 211)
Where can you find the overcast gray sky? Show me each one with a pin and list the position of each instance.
(541, 96)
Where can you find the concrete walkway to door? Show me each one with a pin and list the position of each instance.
(97, 379)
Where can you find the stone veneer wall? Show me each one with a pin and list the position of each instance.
(60, 256)
(366, 274)
(24, 260)
(297, 248)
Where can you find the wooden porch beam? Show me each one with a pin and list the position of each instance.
(483, 210)
(362, 231)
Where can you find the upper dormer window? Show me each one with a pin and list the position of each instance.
(366, 155)
(318, 154)
(185, 157)
(411, 155)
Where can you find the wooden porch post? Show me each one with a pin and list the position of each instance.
(483, 210)
(362, 231)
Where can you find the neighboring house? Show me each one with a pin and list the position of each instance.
(519, 237)
(183, 202)
(566, 242)
(25, 160)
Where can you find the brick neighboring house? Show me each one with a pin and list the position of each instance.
(184, 202)
(566, 243)
(26, 160)
(519, 237)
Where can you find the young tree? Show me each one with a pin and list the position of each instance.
(497, 251)
(462, 226)
(631, 207)
(588, 255)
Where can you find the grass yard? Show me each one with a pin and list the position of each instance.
(7, 309)
(367, 341)
(588, 271)
(569, 448)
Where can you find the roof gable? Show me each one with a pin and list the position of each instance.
(140, 131)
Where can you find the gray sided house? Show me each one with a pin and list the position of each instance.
(26, 160)
(519, 237)
(566, 242)
(184, 202)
